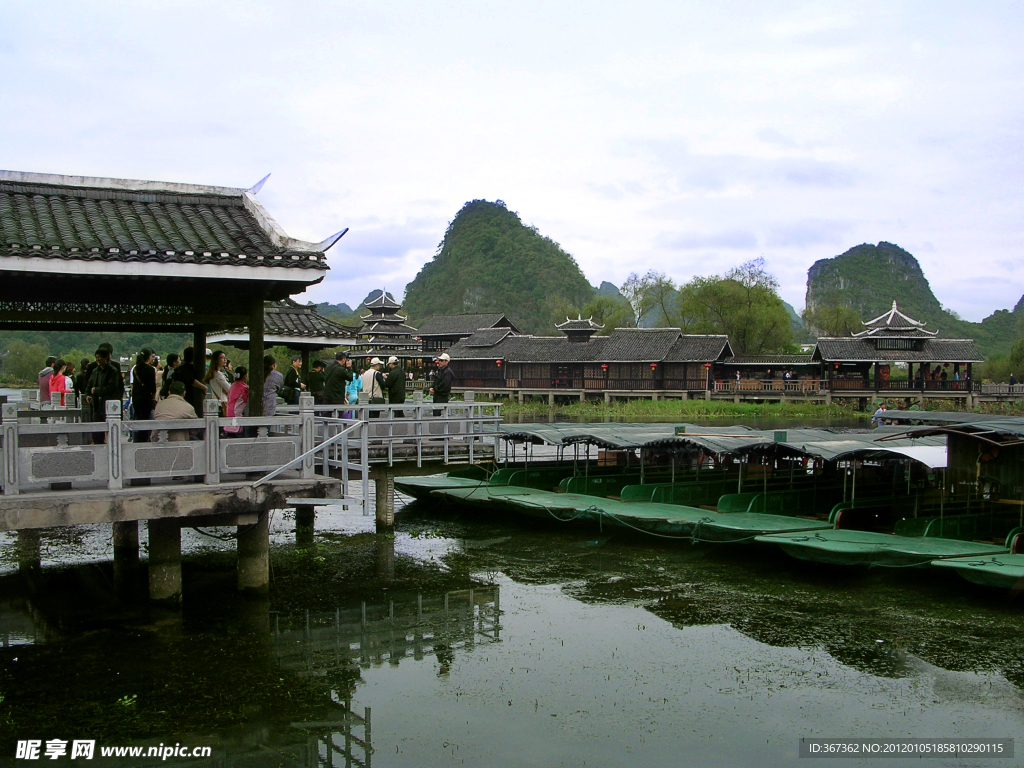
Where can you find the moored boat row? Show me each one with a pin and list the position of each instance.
(889, 497)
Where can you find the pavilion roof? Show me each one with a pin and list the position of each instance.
(464, 325)
(895, 323)
(862, 350)
(288, 321)
(101, 221)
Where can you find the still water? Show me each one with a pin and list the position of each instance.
(463, 640)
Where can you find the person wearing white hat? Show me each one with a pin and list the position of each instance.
(441, 388)
(373, 382)
(394, 383)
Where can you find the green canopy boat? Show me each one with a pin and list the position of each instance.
(851, 547)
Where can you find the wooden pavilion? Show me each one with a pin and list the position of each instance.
(296, 326)
(94, 254)
(865, 358)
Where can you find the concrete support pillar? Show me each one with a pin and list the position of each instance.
(126, 554)
(607, 398)
(707, 394)
(828, 397)
(583, 395)
(254, 555)
(685, 396)
(164, 559)
(522, 398)
(305, 524)
(736, 397)
(29, 556)
(551, 399)
(384, 508)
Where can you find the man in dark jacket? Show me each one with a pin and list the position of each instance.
(394, 384)
(104, 384)
(441, 389)
(337, 378)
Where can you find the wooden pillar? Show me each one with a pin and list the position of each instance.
(165, 558)
(199, 350)
(254, 555)
(305, 365)
(910, 375)
(256, 355)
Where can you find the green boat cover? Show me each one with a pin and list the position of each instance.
(1003, 571)
(820, 443)
(848, 547)
(420, 487)
(747, 526)
(566, 507)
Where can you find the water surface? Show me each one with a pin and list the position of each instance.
(476, 641)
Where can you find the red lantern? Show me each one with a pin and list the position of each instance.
(498, 363)
(654, 366)
(604, 367)
(707, 365)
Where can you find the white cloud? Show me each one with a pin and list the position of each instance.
(684, 136)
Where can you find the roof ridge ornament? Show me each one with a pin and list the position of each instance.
(255, 188)
(326, 243)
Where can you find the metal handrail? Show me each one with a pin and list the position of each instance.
(298, 459)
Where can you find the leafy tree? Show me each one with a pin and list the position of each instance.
(833, 318)
(744, 303)
(649, 293)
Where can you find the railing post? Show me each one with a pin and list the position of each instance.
(211, 412)
(306, 417)
(115, 477)
(10, 449)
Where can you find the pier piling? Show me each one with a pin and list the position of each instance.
(384, 485)
(254, 555)
(305, 524)
(126, 553)
(164, 559)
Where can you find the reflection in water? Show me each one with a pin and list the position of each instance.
(467, 639)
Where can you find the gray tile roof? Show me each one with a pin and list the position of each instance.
(623, 345)
(454, 325)
(770, 360)
(863, 350)
(640, 344)
(699, 349)
(486, 337)
(115, 220)
(288, 318)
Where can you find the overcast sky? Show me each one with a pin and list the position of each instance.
(687, 137)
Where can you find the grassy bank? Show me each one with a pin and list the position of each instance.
(673, 410)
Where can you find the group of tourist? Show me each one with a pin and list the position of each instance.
(177, 390)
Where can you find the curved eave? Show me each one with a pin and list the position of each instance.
(307, 275)
(274, 340)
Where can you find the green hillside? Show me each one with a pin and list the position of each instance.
(490, 261)
(869, 277)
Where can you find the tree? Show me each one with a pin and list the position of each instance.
(744, 304)
(611, 312)
(645, 294)
(833, 319)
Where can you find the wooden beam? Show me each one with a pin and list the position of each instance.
(256, 354)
